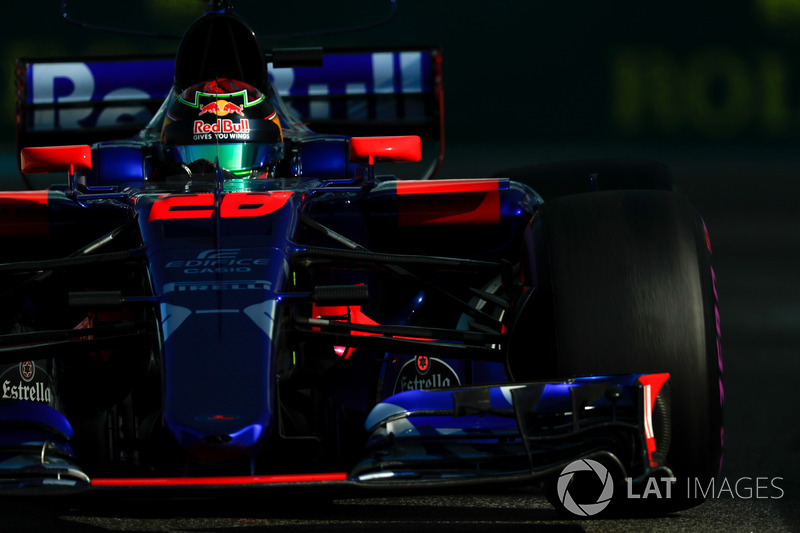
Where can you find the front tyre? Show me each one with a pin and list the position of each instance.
(624, 284)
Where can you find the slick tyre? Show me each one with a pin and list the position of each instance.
(625, 285)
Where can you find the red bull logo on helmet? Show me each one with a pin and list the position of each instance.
(222, 125)
(233, 128)
(221, 108)
(208, 113)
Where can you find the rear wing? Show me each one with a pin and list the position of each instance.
(355, 92)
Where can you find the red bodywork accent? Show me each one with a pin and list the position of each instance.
(234, 205)
(652, 384)
(398, 149)
(354, 316)
(240, 204)
(448, 202)
(212, 480)
(182, 207)
(23, 214)
(41, 159)
(446, 186)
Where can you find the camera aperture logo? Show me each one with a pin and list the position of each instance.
(585, 509)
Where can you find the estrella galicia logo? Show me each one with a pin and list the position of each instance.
(563, 487)
(423, 372)
(26, 382)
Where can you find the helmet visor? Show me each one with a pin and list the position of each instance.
(234, 158)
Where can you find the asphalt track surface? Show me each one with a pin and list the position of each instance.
(750, 200)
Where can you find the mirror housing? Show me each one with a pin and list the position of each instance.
(42, 159)
(397, 149)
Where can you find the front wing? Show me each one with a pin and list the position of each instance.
(435, 439)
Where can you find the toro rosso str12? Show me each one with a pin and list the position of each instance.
(233, 296)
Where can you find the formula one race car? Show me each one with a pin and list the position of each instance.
(231, 298)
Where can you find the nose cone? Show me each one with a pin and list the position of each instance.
(218, 315)
(216, 440)
(219, 404)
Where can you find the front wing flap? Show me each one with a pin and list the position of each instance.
(472, 436)
(530, 430)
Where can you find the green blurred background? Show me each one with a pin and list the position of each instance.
(623, 78)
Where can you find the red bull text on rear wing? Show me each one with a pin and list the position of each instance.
(354, 93)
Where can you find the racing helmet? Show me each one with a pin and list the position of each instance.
(227, 121)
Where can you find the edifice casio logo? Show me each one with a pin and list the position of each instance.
(585, 509)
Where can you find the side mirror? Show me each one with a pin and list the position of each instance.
(400, 149)
(42, 159)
